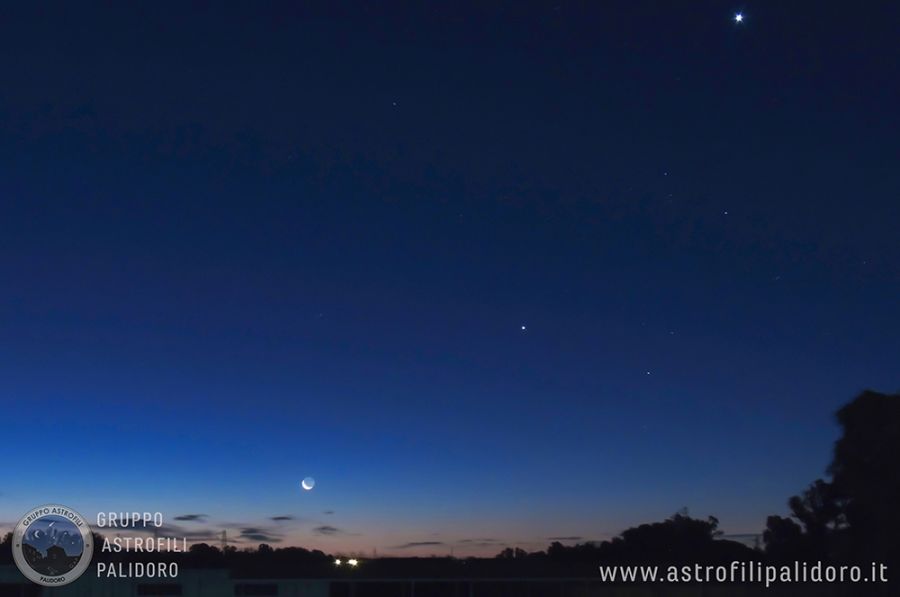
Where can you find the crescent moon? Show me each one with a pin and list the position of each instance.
(308, 483)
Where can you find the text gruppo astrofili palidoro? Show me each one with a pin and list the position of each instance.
(132, 522)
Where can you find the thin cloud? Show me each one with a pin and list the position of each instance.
(192, 518)
(572, 538)
(259, 534)
(327, 529)
(282, 518)
(419, 544)
(485, 542)
(205, 535)
(261, 537)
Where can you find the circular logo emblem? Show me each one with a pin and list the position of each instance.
(52, 545)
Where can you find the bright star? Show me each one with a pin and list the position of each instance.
(524, 328)
(739, 18)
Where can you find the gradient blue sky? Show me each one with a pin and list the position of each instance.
(243, 245)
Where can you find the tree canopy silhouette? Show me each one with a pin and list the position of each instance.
(679, 539)
(855, 516)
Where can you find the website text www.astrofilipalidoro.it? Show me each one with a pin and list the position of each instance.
(747, 572)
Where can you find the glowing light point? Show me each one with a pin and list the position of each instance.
(352, 562)
(337, 562)
(739, 18)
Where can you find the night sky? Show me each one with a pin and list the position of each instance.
(490, 274)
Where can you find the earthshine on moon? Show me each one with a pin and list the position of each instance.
(308, 483)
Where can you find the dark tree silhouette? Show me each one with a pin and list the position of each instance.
(820, 522)
(675, 540)
(510, 553)
(866, 473)
(784, 539)
(820, 509)
(820, 513)
(855, 516)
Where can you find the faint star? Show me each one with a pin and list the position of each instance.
(739, 18)
(524, 328)
(648, 373)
